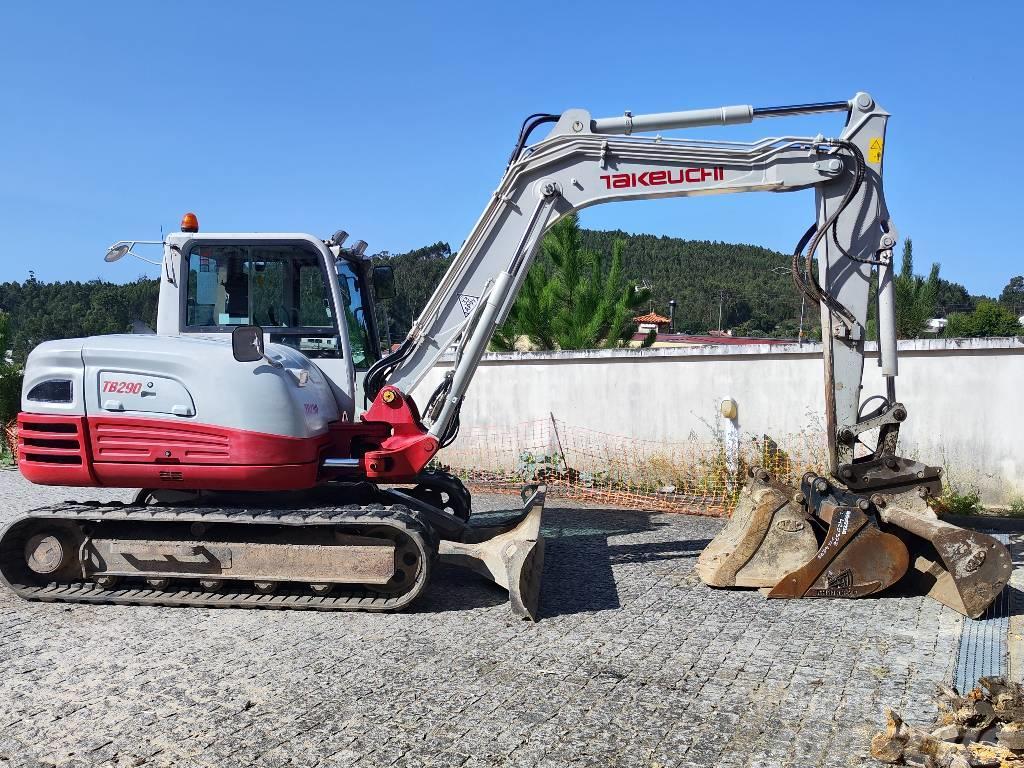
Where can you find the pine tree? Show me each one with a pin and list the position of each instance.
(916, 296)
(574, 303)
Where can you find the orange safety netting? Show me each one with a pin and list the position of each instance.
(10, 437)
(700, 476)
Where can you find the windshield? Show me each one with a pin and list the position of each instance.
(360, 339)
(282, 288)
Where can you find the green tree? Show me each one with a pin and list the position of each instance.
(570, 300)
(1013, 295)
(39, 312)
(417, 274)
(916, 296)
(953, 297)
(988, 319)
(10, 382)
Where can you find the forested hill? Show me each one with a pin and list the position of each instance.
(751, 283)
(42, 311)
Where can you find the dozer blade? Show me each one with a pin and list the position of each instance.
(963, 569)
(767, 537)
(856, 559)
(510, 555)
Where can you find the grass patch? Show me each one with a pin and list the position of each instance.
(960, 500)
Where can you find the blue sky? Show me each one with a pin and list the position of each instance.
(394, 120)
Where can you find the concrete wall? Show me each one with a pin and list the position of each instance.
(965, 397)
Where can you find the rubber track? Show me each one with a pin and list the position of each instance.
(341, 599)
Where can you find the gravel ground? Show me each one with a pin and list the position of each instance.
(634, 663)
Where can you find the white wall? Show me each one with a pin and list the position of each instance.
(965, 397)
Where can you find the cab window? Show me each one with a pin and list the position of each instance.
(282, 288)
(360, 339)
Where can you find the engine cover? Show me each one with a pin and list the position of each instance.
(172, 411)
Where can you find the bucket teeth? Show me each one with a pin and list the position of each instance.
(767, 537)
(510, 555)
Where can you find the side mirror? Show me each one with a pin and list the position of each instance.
(384, 281)
(247, 343)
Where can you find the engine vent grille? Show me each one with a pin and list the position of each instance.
(51, 440)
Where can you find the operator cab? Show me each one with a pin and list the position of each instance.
(283, 288)
(305, 293)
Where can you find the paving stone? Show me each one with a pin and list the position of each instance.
(635, 663)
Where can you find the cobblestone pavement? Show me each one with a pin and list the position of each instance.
(635, 663)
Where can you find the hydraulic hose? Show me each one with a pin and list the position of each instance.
(804, 277)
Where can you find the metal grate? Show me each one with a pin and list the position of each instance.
(983, 650)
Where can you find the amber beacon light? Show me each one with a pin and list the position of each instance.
(189, 222)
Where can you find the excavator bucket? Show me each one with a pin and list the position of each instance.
(856, 559)
(511, 555)
(963, 569)
(767, 537)
(851, 546)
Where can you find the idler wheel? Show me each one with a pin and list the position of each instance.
(45, 554)
(265, 587)
(107, 582)
(159, 584)
(210, 585)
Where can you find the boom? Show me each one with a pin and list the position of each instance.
(586, 161)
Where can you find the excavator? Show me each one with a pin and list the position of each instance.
(264, 482)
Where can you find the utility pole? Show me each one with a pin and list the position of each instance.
(721, 302)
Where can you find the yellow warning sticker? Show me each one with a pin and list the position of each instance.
(875, 150)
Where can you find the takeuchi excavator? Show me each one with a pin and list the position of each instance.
(263, 483)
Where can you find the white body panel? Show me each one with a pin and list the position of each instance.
(185, 378)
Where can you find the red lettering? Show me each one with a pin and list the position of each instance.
(122, 387)
(660, 178)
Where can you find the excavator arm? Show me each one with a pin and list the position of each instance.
(848, 535)
(586, 161)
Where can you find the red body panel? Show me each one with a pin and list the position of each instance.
(409, 448)
(149, 452)
(142, 440)
(54, 450)
(134, 452)
(207, 477)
